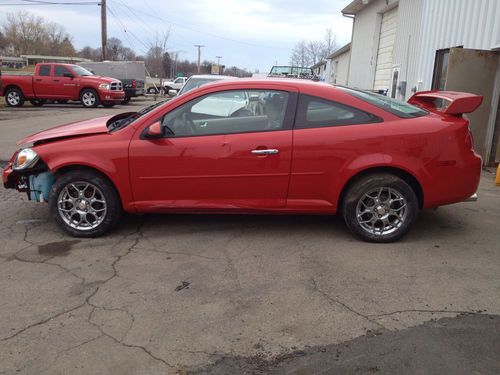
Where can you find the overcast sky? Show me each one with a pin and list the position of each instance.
(251, 34)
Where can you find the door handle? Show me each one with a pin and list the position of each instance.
(55, 80)
(38, 80)
(271, 151)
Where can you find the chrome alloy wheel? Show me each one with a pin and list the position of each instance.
(88, 98)
(82, 205)
(13, 98)
(381, 211)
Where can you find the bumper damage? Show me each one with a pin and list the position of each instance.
(36, 182)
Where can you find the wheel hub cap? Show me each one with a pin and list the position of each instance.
(82, 205)
(381, 211)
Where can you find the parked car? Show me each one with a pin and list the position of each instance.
(315, 148)
(61, 82)
(132, 75)
(175, 84)
(196, 81)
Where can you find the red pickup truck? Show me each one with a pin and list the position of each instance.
(61, 82)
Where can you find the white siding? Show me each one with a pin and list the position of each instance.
(339, 66)
(364, 45)
(385, 48)
(472, 24)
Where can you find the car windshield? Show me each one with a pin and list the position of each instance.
(396, 107)
(122, 123)
(82, 72)
(194, 83)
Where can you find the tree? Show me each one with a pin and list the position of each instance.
(27, 34)
(155, 54)
(300, 54)
(167, 63)
(88, 52)
(330, 42)
(308, 53)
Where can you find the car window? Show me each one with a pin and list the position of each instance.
(60, 70)
(316, 112)
(396, 107)
(229, 112)
(44, 70)
(194, 83)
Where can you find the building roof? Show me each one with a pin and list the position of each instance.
(57, 58)
(340, 51)
(12, 59)
(355, 6)
(318, 64)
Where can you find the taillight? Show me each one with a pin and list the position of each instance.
(134, 83)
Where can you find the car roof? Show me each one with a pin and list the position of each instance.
(297, 83)
(212, 76)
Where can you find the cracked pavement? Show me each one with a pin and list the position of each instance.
(230, 294)
(173, 294)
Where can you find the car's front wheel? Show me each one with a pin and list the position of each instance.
(89, 98)
(84, 203)
(380, 208)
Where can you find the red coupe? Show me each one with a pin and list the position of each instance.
(258, 146)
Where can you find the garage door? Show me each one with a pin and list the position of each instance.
(385, 47)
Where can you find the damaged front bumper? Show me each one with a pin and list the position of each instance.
(36, 181)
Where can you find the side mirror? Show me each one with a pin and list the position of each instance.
(172, 92)
(154, 131)
(68, 75)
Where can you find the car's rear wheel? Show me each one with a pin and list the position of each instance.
(380, 208)
(89, 98)
(14, 97)
(152, 90)
(84, 204)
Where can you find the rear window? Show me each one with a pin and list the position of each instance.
(44, 70)
(396, 107)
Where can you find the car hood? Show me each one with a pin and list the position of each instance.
(101, 79)
(87, 127)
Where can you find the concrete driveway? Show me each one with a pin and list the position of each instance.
(230, 294)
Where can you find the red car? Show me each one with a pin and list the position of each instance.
(258, 146)
(61, 82)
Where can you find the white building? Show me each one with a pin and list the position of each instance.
(402, 46)
(322, 70)
(339, 65)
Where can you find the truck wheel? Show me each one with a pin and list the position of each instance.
(89, 98)
(37, 102)
(380, 208)
(152, 90)
(84, 204)
(14, 97)
(126, 100)
(108, 104)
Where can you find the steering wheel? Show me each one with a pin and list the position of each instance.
(242, 112)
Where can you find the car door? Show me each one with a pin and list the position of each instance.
(66, 86)
(217, 160)
(327, 134)
(42, 82)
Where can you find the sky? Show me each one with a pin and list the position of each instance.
(251, 34)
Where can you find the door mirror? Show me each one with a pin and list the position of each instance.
(172, 92)
(154, 131)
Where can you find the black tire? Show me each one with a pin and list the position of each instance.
(89, 98)
(37, 102)
(105, 191)
(125, 101)
(14, 97)
(395, 207)
(108, 104)
(152, 90)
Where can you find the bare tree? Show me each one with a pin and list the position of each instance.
(300, 54)
(27, 34)
(155, 54)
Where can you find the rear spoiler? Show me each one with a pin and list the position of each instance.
(447, 102)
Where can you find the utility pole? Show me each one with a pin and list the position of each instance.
(218, 63)
(104, 29)
(199, 46)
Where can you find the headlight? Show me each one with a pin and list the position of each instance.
(26, 158)
(104, 86)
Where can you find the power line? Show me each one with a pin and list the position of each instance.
(206, 33)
